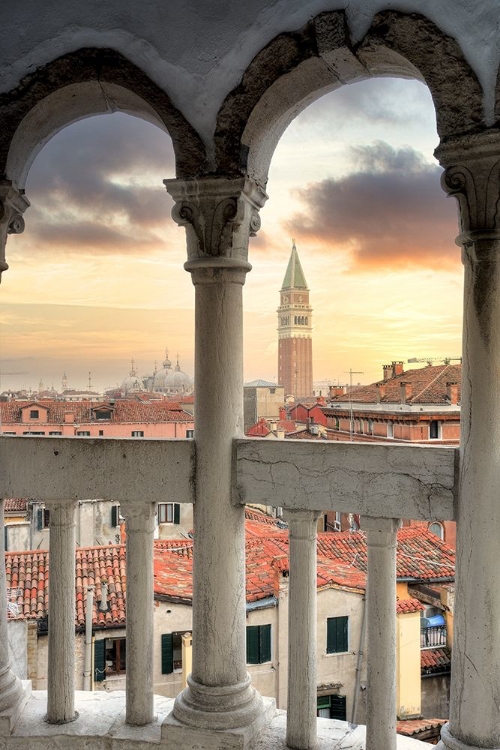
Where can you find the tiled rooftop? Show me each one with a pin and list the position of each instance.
(416, 727)
(428, 387)
(407, 606)
(15, 505)
(435, 660)
(122, 410)
(341, 563)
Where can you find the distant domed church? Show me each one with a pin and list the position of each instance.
(169, 381)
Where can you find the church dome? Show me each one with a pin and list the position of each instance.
(178, 381)
(132, 383)
(162, 375)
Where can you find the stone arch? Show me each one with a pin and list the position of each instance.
(297, 68)
(78, 85)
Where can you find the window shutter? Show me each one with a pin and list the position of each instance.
(39, 519)
(337, 635)
(342, 634)
(331, 635)
(5, 539)
(177, 513)
(46, 518)
(265, 643)
(114, 515)
(100, 660)
(338, 704)
(167, 654)
(252, 644)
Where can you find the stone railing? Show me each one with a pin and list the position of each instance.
(380, 483)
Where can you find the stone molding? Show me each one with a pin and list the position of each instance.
(302, 524)
(13, 204)
(139, 516)
(472, 176)
(449, 742)
(219, 216)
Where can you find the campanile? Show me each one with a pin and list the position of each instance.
(295, 332)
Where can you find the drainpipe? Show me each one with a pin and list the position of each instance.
(359, 663)
(87, 670)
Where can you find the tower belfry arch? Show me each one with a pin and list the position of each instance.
(295, 331)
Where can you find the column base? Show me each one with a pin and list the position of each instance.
(449, 742)
(213, 718)
(10, 715)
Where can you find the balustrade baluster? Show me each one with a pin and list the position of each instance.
(301, 729)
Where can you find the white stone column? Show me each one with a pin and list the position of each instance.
(218, 215)
(11, 690)
(61, 661)
(473, 176)
(13, 203)
(381, 538)
(301, 728)
(140, 524)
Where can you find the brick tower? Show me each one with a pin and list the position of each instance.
(295, 332)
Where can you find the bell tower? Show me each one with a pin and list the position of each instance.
(295, 332)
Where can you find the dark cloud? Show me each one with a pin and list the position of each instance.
(390, 212)
(98, 185)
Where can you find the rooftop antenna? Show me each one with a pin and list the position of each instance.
(351, 412)
(90, 381)
(430, 360)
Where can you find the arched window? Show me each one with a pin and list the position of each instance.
(437, 529)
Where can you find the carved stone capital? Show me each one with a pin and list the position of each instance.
(13, 204)
(472, 175)
(219, 215)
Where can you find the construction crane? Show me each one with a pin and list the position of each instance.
(430, 360)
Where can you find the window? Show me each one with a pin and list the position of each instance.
(8, 433)
(258, 644)
(337, 637)
(437, 529)
(101, 433)
(434, 430)
(171, 652)
(169, 513)
(332, 707)
(137, 433)
(32, 432)
(190, 433)
(390, 430)
(83, 433)
(34, 414)
(115, 515)
(42, 519)
(55, 432)
(109, 657)
(100, 415)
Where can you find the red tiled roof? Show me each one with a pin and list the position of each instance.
(407, 606)
(428, 387)
(15, 505)
(259, 429)
(435, 659)
(414, 727)
(123, 410)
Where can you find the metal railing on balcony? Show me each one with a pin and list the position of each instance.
(433, 636)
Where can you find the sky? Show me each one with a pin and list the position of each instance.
(97, 277)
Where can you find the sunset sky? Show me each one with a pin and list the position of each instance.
(97, 276)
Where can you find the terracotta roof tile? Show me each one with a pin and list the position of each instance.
(435, 659)
(428, 387)
(407, 606)
(15, 505)
(414, 727)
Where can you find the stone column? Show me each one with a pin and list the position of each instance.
(473, 176)
(11, 690)
(61, 661)
(140, 524)
(218, 215)
(381, 538)
(301, 728)
(13, 203)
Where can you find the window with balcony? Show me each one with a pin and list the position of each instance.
(169, 513)
(337, 635)
(258, 644)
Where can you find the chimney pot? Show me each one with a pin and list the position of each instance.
(452, 392)
(380, 392)
(388, 372)
(398, 368)
(406, 391)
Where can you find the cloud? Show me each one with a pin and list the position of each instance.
(390, 212)
(97, 186)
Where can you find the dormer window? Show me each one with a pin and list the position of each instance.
(34, 414)
(103, 414)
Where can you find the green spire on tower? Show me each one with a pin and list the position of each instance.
(294, 276)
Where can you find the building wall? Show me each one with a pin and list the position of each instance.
(262, 402)
(103, 429)
(181, 529)
(408, 665)
(295, 366)
(435, 690)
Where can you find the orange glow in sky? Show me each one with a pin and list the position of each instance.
(97, 277)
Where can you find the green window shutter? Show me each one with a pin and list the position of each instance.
(253, 644)
(338, 708)
(167, 653)
(99, 660)
(337, 635)
(265, 643)
(114, 515)
(177, 513)
(39, 519)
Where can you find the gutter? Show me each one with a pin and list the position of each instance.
(359, 663)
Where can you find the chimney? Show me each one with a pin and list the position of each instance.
(336, 390)
(380, 391)
(321, 400)
(397, 368)
(452, 392)
(282, 414)
(406, 392)
(388, 372)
